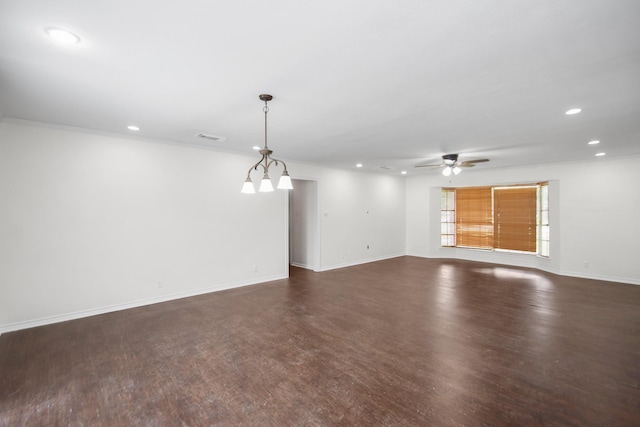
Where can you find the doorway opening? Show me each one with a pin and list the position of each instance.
(304, 241)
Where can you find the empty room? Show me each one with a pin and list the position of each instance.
(332, 213)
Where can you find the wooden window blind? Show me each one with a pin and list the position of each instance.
(474, 217)
(514, 218)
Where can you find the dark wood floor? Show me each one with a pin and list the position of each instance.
(406, 341)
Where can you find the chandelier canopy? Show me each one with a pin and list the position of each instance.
(266, 162)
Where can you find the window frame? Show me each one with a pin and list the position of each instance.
(538, 223)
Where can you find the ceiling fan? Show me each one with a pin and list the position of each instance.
(451, 164)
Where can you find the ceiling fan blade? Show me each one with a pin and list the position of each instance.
(465, 165)
(430, 166)
(471, 162)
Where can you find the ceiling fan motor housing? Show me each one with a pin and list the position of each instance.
(450, 159)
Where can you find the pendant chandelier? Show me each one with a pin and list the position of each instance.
(266, 162)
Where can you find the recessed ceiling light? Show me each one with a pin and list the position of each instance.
(573, 111)
(133, 127)
(594, 142)
(62, 36)
(359, 165)
(403, 172)
(600, 154)
(255, 147)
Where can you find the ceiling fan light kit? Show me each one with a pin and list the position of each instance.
(266, 162)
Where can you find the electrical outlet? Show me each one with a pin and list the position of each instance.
(160, 284)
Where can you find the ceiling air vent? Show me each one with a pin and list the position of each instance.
(213, 138)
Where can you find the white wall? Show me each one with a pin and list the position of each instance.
(91, 223)
(593, 217)
(357, 209)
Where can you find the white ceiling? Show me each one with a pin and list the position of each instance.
(385, 83)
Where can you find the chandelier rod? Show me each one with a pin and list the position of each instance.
(266, 110)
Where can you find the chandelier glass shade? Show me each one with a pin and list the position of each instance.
(266, 162)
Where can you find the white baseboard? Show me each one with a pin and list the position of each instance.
(363, 261)
(305, 266)
(625, 280)
(519, 263)
(132, 304)
(164, 298)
